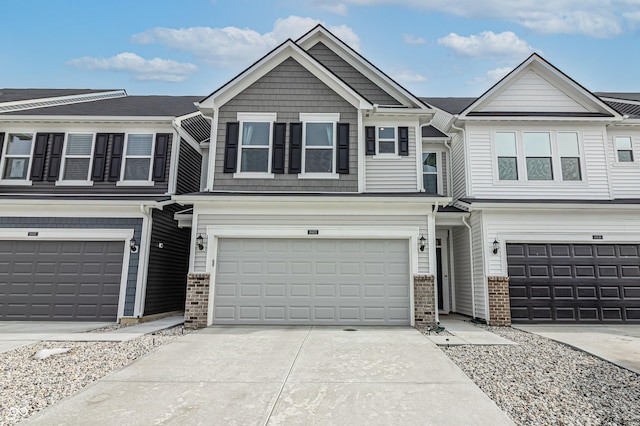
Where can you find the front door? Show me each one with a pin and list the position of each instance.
(442, 273)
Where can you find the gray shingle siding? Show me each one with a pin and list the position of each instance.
(351, 76)
(105, 187)
(288, 90)
(84, 223)
(189, 169)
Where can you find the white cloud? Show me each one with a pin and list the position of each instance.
(142, 69)
(406, 76)
(411, 39)
(593, 18)
(232, 47)
(487, 44)
(492, 77)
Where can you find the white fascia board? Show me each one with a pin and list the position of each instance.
(108, 119)
(312, 198)
(360, 64)
(287, 50)
(548, 206)
(513, 118)
(184, 135)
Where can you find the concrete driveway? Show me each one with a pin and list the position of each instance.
(14, 334)
(277, 376)
(619, 344)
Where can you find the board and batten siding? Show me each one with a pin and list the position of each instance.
(483, 166)
(458, 167)
(392, 174)
(615, 226)
(350, 75)
(532, 93)
(460, 240)
(287, 90)
(625, 177)
(353, 222)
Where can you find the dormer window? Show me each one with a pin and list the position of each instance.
(17, 156)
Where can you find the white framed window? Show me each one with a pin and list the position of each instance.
(537, 151)
(507, 153)
(430, 172)
(319, 144)
(138, 153)
(386, 140)
(76, 159)
(16, 163)
(255, 144)
(624, 149)
(569, 152)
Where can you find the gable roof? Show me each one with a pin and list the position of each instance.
(561, 95)
(288, 49)
(320, 34)
(450, 105)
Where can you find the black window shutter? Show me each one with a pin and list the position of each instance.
(403, 141)
(39, 154)
(55, 158)
(231, 147)
(117, 146)
(342, 160)
(100, 157)
(279, 146)
(160, 156)
(370, 140)
(1, 142)
(295, 148)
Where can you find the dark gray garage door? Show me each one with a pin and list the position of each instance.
(60, 280)
(279, 281)
(574, 282)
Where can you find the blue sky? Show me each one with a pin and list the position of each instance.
(432, 47)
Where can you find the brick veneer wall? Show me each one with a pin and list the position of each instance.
(197, 305)
(499, 306)
(424, 300)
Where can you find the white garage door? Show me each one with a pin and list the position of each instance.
(298, 281)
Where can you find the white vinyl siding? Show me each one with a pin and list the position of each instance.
(352, 222)
(460, 239)
(567, 226)
(532, 93)
(479, 277)
(458, 167)
(625, 177)
(393, 173)
(483, 165)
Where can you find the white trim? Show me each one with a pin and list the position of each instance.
(319, 118)
(318, 176)
(83, 234)
(3, 159)
(249, 117)
(361, 154)
(74, 182)
(144, 246)
(135, 182)
(253, 175)
(176, 144)
(433, 269)
(213, 147)
(59, 100)
(61, 181)
(214, 232)
(123, 167)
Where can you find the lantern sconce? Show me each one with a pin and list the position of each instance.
(200, 242)
(496, 246)
(422, 242)
(133, 245)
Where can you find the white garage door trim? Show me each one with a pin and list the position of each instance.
(84, 234)
(409, 233)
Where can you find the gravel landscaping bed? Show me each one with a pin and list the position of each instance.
(28, 385)
(543, 382)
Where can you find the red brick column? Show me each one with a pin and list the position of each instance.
(197, 305)
(424, 300)
(499, 306)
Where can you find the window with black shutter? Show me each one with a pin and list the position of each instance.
(160, 156)
(231, 147)
(279, 143)
(295, 148)
(342, 160)
(39, 154)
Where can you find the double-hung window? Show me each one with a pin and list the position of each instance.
(319, 143)
(569, 151)
(624, 149)
(386, 140)
(255, 144)
(137, 158)
(77, 157)
(17, 156)
(505, 144)
(430, 172)
(537, 151)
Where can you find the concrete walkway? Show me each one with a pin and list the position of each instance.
(285, 376)
(14, 334)
(618, 344)
(465, 333)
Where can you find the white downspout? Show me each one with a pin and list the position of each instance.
(467, 160)
(433, 264)
(143, 261)
(473, 286)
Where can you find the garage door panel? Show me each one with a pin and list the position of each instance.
(588, 282)
(61, 280)
(632, 314)
(315, 282)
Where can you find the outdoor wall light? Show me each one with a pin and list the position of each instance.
(496, 246)
(422, 242)
(132, 245)
(200, 242)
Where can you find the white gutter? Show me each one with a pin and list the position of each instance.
(473, 286)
